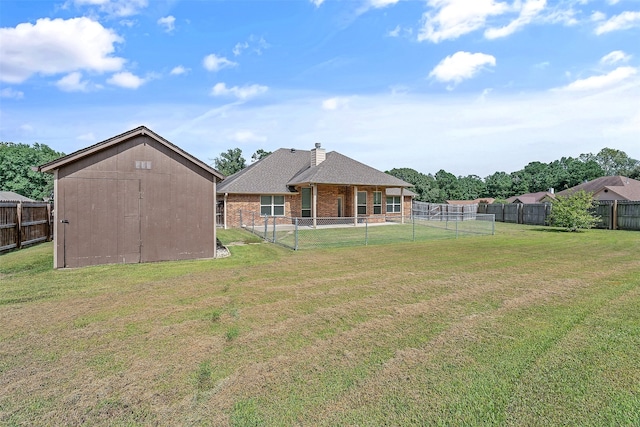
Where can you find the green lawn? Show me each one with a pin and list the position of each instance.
(528, 327)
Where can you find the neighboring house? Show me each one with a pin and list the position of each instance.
(10, 196)
(132, 198)
(291, 183)
(487, 200)
(609, 188)
(539, 197)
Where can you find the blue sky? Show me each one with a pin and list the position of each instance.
(468, 86)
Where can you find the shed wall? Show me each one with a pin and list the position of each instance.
(137, 201)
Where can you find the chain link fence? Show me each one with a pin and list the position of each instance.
(309, 233)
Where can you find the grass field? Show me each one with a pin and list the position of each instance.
(528, 327)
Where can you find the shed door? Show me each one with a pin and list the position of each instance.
(103, 221)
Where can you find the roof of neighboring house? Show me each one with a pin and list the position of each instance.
(626, 188)
(281, 170)
(538, 197)
(139, 131)
(487, 200)
(10, 196)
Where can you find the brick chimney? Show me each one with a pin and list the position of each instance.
(318, 155)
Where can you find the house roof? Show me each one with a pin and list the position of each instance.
(538, 197)
(626, 188)
(285, 168)
(10, 196)
(139, 131)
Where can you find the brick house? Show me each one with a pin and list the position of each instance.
(291, 183)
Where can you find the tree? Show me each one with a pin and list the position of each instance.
(16, 161)
(613, 162)
(230, 161)
(498, 185)
(425, 186)
(573, 212)
(259, 155)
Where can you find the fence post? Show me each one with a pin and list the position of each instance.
(456, 229)
(253, 222)
(614, 215)
(366, 232)
(274, 229)
(266, 224)
(295, 236)
(413, 222)
(49, 223)
(19, 221)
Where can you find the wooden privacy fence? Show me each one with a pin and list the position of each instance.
(614, 215)
(24, 223)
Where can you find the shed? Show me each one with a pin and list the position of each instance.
(132, 198)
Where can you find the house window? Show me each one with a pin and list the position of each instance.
(362, 202)
(306, 202)
(393, 204)
(272, 205)
(377, 202)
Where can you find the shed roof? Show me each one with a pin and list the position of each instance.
(285, 168)
(139, 131)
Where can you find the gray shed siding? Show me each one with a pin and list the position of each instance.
(137, 201)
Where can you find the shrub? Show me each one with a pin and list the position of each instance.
(573, 212)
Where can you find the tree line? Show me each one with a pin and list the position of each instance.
(16, 161)
(534, 177)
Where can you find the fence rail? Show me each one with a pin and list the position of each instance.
(24, 223)
(307, 233)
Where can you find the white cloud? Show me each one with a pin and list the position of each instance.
(73, 82)
(598, 16)
(530, 10)
(179, 70)
(242, 93)
(57, 46)
(244, 136)
(615, 57)
(118, 8)
(253, 44)
(377, 4)
(461, 66)
(395, 32)
(8, 92)
(216, 63)
(616, 76)
(317, 3)
(624, 21)
(334, 103)
(126, 80)
(451, 19)
(168, 22)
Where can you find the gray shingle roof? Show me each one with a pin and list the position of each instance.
(284, 168)
(10, 196)
(627, 188)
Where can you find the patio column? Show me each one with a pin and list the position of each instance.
(402, 205)
(224, 213)
(355, 205)
(314, 203)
